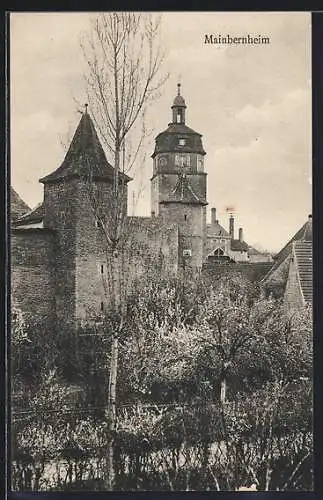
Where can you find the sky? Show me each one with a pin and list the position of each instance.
(251, 103)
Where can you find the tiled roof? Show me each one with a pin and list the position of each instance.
(253, 251)
(184, 193)
(85, 156)
(32, 217)
(239, 246)
(303, 258)
(216, 230)
(17, 206)
(304, 234)
(253, 271)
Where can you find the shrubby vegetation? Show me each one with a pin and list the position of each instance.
(214, 392)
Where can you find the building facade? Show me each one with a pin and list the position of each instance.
(58, 250)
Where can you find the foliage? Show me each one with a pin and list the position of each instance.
(173, 431)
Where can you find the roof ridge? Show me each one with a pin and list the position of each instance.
(183, 192)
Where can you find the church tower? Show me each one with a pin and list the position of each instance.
(178, 184)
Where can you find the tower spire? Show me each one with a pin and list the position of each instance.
(179, 107)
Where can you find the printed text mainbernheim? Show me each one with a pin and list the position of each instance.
(236, 40)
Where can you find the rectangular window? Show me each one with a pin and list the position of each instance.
(102, 307)
(102, 268)
(182, 160)
(182, 142)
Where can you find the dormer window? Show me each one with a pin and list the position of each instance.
(182, 142)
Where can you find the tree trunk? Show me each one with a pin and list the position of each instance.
(112, 412)
(223, 390)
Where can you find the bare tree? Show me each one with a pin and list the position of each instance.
(124, 59)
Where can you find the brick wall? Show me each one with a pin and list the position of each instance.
(60, 214)
(191, 221)
(32, 274)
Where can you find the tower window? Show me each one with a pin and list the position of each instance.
(97, 223)
(178, 117)
(182, 160)
(185, 216)
(102, 307)
(101, 268)
(182, 142)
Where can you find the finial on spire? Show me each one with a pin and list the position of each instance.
(178, 89)
(86, 105)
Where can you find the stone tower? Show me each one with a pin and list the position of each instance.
(178, 184)
(73, 194)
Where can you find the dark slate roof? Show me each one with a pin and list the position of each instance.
(179, 101)
(184, 193)
(32, 217)
(216, 230)
(168, 140)
(239, 246)
(17, 206)
(304, 234)
(252, 271)
(303, 259)
(85, 156)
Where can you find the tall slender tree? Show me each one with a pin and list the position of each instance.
(124, 58)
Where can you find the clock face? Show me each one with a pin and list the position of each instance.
(162, 161)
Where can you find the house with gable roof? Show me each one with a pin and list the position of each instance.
(291, 275)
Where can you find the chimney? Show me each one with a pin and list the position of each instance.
(231, 226)
(240, 234)
(213, 216)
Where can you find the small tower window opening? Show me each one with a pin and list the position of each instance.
(185, 216)
(102, 268)
(182, 142)
(102, 307)
(179, 116)
(97, 223)
(200, 164)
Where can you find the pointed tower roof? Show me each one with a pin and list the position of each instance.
(179, 100)
(184, 193)
(85, 156)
